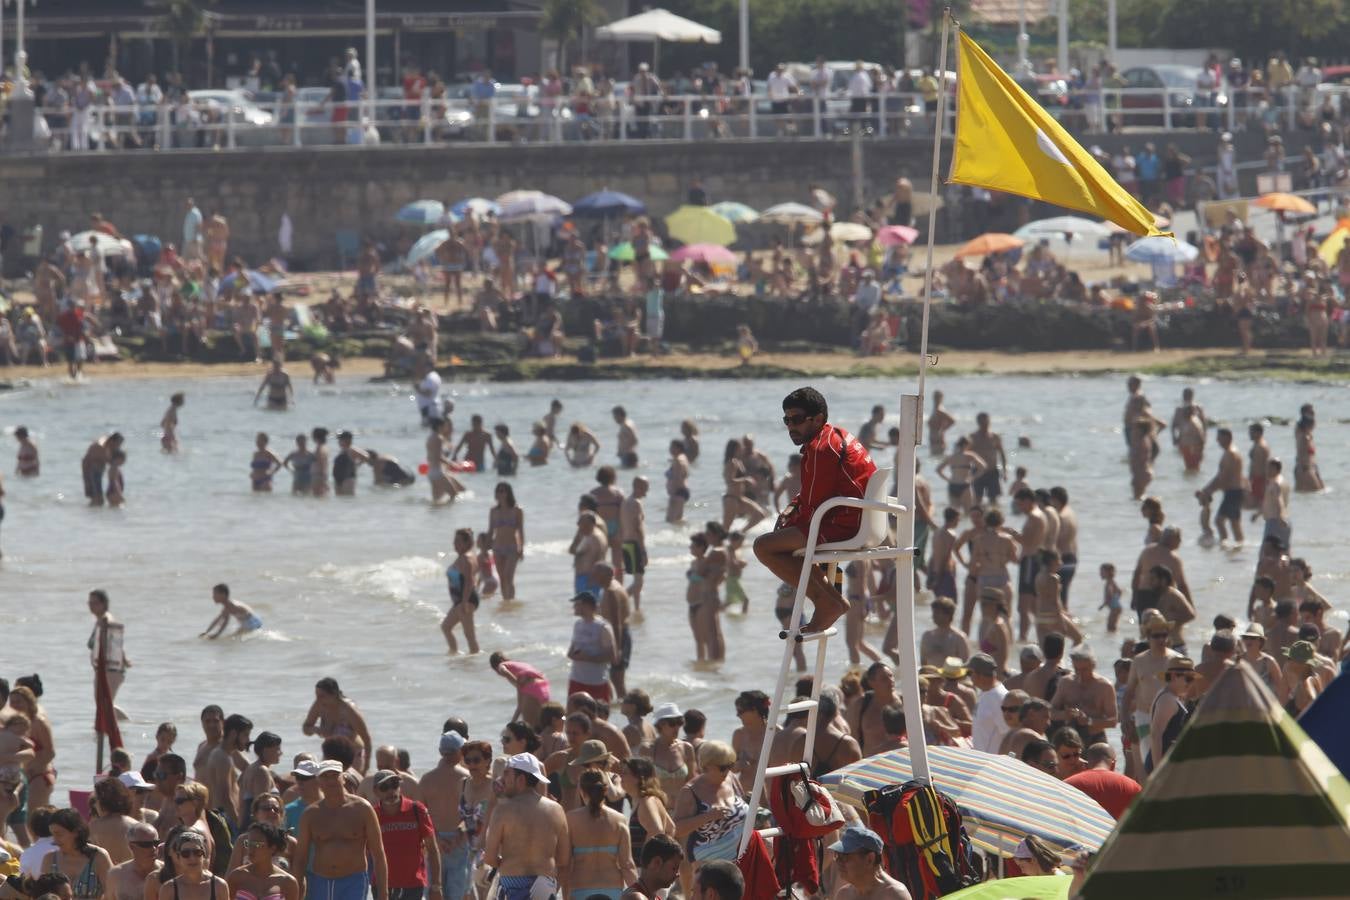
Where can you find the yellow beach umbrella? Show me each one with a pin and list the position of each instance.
(700, 225)
(1330, 249)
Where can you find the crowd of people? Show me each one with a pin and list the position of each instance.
(606, 790)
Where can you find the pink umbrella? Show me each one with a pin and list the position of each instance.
(896, 234)
(708, 253)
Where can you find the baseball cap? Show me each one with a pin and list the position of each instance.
(329, 765)
(983, 663)
(856, 838)
(452, 742)
(384, 776)
(529, 764)
(135, 781)
(306, 768)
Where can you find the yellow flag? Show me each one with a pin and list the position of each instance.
(1006, 142)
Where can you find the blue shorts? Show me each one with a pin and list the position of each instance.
(252, 623)
(350, 887)
(455, 868)
(581, 584)
(525, 887)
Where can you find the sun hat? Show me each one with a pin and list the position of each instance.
(592, 751)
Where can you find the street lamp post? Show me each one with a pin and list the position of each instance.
(745, 34)
(370, 60)
(21, 109)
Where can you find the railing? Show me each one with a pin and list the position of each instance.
(538, 119)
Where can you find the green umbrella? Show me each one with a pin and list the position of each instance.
(624, 253)
(1032, 887)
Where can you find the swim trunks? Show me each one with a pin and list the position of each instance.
(581, 584)
(526, 887)
(252, 623)
(1027, 570)
(350, 887)
(625, 650)
(628, 460)
(93, 482)
(1231, 506)
(944, 585)
(634, 558)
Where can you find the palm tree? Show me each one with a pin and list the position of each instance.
(566, 21)
(184, 20)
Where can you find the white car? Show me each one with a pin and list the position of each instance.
(253, 125)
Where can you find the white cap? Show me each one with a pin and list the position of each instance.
(306, 767)
(529, 764)
(667, 711)
(330, 765)
(135, 781)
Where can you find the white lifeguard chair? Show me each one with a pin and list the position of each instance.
(875, 540)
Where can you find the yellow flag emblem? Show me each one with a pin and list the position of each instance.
(1006, 142)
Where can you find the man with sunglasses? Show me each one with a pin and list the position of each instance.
(858, 858)
(340, 830)
(409, 840)
(170, 775)
(1171, 709)
(834, 464)
(1144, 686)
(126, 881)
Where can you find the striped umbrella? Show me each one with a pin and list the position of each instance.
(736, 213)
(1034, 887)
(1244, 805)
(1001, 799)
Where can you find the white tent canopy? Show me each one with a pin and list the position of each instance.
(659, 25)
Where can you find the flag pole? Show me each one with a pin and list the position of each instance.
(932, 214)
(100, 692)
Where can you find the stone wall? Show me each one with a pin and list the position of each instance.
(328, 189)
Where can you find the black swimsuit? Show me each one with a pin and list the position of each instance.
(343, 468)
(213, 888)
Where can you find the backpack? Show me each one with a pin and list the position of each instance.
(927, 847)
(220, 836)
(802, 808)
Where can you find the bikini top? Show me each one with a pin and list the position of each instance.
(213, 890)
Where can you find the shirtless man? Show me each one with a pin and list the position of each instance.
(1143, 688)
(1257, 458)
(1033, 720)
(942, 640)
(760, 469)
(677, 483)
(222, 775)
(527, 841)
(992, 550)
(341, 831)
(168, 440)
(277, 384)
(614, 608)
(659, 867)
(1189, 430)
(1031, 541)
(941, 559)
(633, 534)
(453, 257)
(965, 468)
(95, 462)
(988, 446)
(441, 790)
(476, 442)
(939, 420)
(1176, 609)
(1136, 407)
(628, 439)
(550, 420)
(609, 507)
(588, 548)
(1085, 700)
(257, 778)
(867, 434)
(1067, 541)
(1228, 480)
(443, 486)
(504, 246)
(864, 711)
(213, 729)
(126, 881)
(1163, 553)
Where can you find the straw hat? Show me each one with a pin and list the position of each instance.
(1181, 665)
(954, 668)
(592, 751)
(1255, 630)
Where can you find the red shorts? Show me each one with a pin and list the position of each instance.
(840, 525)
(1258, 487)
(1191, 456)
(598, 691)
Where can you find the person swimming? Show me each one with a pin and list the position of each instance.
(247, 618)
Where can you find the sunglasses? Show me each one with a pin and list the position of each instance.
(182, 799)
(146, 845)
(250, 844)
(192, 853)
(1186, 678)
(725, 768)
(472, 760)
(794, 420)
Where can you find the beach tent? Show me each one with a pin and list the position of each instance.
(1245, 805)
(1327, 722)
(657, 25)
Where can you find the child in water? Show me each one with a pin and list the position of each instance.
(1206, 531)
(229, 609)
(1110, 597)
(735, 566)
(487, 572)
(116, 493)
(746, 345)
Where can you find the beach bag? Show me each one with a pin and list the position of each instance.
(926, 846)
(802, 808)
(220, 836)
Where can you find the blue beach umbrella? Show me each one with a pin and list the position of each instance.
(426, 246)
(735, 213)
(606, 203)
(421, 212)
(478, 207)
(1327, 722)
(1163, 250)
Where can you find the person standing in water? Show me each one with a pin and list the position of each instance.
(507, 458)
(443, 484)
(462, 576)
(248, 620)
(264, 464)
(277, 384)
(628, 439)
(95, 463)
(337, 837)
(319, 471)
(581, 446)
(506, 524)
(677, 483)
(633, 534)
(168, 441)
(476, 442)
(834, 464)
(116, 484)
(28, 464)
(301, 463)
(939, 420)
(344, 465)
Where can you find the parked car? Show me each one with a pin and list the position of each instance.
(1170, 84)
(254, 126)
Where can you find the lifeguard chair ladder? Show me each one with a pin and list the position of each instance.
(874, 541)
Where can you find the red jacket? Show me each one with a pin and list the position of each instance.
(834, 464)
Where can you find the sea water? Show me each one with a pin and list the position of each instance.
(355, 587)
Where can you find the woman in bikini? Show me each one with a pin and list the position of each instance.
(190, 805)
(736, 502)
(85, 864)
(194, 880)
(696, 594)
(602, 848)
(41, 775)
(264, 465)
(581, 446)
(260, 877)
(689, 439)
(506, 523)
(114, 803)
(508, 458)
(677, 483)
(1306, 477)
(301, 463)
(672, 758)
(1315, 315)
(752, 708)
(530, 684)
(462, 576)
(538, 452)
(634, 706)
(650, 804)
(345, 464)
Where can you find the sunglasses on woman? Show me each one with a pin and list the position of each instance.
(192, 853)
